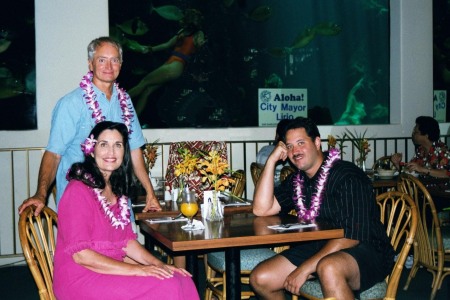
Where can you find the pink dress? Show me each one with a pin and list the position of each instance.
(82, 224)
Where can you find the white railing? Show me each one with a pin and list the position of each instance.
(20, 168)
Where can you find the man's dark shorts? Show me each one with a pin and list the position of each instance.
(372, 267)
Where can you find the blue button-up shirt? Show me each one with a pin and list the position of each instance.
(71, 124)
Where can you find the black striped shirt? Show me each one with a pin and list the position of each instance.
(348, 202)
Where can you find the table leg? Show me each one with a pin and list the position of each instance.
(148, 244)
(192, 267)
(233, 272)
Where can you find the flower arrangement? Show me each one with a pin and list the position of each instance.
(215, 170)
(186, 167)
(150, 155)
(332, 141)
(361, 143)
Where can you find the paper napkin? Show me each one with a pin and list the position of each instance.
(291, 226)
(165, 220)
(198, 225)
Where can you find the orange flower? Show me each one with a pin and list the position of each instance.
(150, 154)
(360, 142)
(215, 170)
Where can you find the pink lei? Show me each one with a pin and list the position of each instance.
(91, 101)
(123, 218)
(309, 215)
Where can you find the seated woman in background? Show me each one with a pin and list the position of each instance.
(432, 155)
(265, 151)
(97, 254)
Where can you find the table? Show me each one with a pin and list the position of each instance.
(235, 231)
(437, 187)
(383, 185)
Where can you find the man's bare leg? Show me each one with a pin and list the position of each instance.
(339, 275)
(267, 279)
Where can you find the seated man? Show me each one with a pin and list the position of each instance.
(325, 189)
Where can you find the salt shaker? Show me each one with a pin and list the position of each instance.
(167, 196)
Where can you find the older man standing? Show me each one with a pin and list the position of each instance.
(98, 98)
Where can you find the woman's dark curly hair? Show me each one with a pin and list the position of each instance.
(428, 125)
(88, 172)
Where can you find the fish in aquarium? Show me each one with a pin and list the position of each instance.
(11, 87)
(133, 26)
(327, 28)
(261, 13)
(4, 41)
(168, 12)
(279, 51)
(228, 3)
(304, 38)
(273, 81)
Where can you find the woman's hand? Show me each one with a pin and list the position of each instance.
(161, 272)
(179, 270)
(415, 167)
(396, 158)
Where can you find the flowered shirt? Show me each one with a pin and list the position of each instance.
(437, 157)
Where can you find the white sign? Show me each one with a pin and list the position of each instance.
(278, 104)
(440, 105)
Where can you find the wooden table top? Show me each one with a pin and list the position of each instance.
(235, 230)
(437, 187)
(385, 183)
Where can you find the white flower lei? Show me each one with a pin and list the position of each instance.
(123, 219)
(91, 100)
(309, 215)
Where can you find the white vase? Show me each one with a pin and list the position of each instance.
(361, 164)
(213, 207)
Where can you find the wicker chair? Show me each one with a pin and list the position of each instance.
(285, 172)
(432, 242)
(239, 184)
(37, 237)
(400, 217)
(255, 170)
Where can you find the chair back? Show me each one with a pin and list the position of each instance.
(239, 183)
(383, 162)
(195, 147)
(285, 172)
(398, 213)
(37, 237)
(255, 170)
(428, 246)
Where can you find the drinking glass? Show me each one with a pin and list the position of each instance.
(189, 206)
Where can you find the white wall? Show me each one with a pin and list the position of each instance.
(64, 28)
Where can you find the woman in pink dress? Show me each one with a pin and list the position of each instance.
(97, 255)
